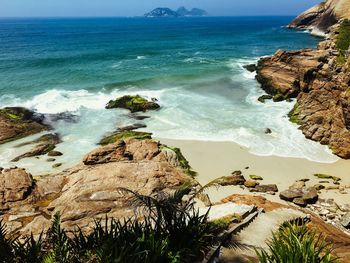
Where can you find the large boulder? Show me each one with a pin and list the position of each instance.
(133, 103)
(92, 190)
(15, 185)
(16, 123)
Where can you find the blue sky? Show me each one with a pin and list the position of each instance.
(28, 8)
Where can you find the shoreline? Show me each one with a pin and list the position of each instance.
(212, 160)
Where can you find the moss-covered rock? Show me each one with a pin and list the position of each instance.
(17, 122)
(294, 114)
(117, 136)
(265, 97)
(256, 177)
(327, 176)
(133, 103)
(183, 163)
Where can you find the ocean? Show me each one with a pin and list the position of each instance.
(192, 66)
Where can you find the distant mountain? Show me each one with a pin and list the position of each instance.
(182, 11)
(162, 12)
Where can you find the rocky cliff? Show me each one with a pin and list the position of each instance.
(320, 17)
(319, 79)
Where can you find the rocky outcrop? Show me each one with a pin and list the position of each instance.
(16, 123)
(44, 144)
(89, 190)
(320, 17)
(321, 85)
(133, 103)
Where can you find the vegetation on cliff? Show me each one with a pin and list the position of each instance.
(343, 41)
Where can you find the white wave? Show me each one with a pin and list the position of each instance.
(117, 65)
(58, 101)
(140, 57)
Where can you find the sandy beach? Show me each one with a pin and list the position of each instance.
(215, 159)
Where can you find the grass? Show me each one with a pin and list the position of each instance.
(297, 243)
(343, 41)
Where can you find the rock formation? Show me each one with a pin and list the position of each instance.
(133, 103)
(89, 190)
(320, 17)
(319, 79)
(16, 123)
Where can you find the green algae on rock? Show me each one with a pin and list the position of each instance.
(117, 136)
(133, 103)
(18, 122)
(183, 163)
(327, 176)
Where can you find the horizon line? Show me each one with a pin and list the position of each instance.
(142, 16)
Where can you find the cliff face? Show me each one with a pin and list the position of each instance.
(319, 79)
(322, 16)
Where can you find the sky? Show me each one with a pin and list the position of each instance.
(58, 8)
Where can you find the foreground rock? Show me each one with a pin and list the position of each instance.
(133, 103)
(16, 123)
(89, 190)
(319, 80)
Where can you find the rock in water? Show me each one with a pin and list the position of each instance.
(16, 123)
(133, 103)
(250, 67)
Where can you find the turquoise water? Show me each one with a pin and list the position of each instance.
(193, 66)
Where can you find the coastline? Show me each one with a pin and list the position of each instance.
(215, 159)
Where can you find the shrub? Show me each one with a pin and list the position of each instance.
(295, 243)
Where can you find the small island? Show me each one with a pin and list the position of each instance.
(181, 12)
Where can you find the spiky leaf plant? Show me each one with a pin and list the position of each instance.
(296, 243)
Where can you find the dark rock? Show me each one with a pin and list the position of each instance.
(36, 151)
(234, 179)
(250, 67)
(132, 127)
(319, 187)
(51, 160)
(54, 153)
(310, 195)
(299, 202)
(345, 221)
(268, 131)
(290, 195)
(56, 165)
(132, 103)
(264, 97)
(266, 188)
